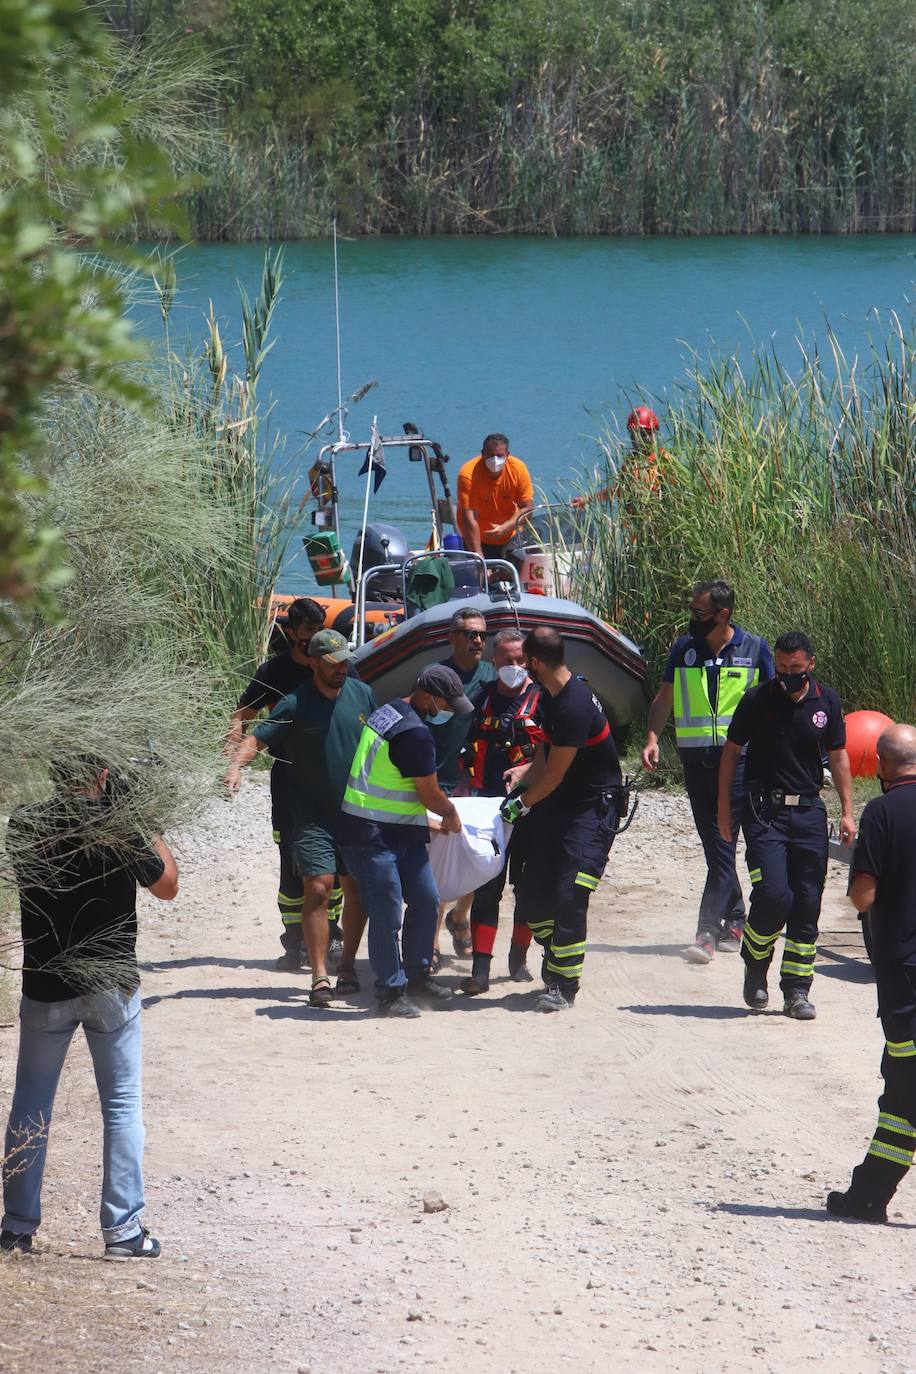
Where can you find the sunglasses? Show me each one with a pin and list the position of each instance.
(475, 634)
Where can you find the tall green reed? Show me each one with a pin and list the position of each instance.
(795, 486)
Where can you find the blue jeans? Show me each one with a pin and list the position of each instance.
(111, 1022)
(387, 878)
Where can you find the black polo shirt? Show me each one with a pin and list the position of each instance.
(886, 851)
(787, 739)
(575, 719)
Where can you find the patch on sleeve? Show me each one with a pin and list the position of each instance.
(382, 720)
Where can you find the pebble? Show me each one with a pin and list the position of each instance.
(414, 1314)
(434, 1202)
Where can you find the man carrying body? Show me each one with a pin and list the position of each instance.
(494, 495)
(385, 834)
(571, 790)
(787, 724)
(505, 734)
(274, 680)
(315, 731)
(468, 637)
(883, 889)
(708, 671)
(77, 884)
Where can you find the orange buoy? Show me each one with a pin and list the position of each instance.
(862, 731)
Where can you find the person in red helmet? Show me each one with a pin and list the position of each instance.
(648, 462)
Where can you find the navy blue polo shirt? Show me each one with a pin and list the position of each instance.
(688, 652)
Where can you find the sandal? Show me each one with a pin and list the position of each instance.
(435, 961)
(347, 982)
(321, 994)
(461, 936)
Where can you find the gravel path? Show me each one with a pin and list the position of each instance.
(636, 1186)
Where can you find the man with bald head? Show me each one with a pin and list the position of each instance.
(883, 889)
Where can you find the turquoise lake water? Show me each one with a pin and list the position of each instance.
(547, 340)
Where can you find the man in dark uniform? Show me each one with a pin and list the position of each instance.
(571, 790)
(883, 889)
(315, 730)
(505, 734)
(274, 680)
(787, 725)
(708, 671)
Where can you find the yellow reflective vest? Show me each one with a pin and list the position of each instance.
(376, 790)
(697, 724)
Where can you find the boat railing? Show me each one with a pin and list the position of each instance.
(508, 579)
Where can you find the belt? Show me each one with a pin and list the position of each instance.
(779, 798)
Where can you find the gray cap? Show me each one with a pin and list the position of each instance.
(444, 682)
(330, 644)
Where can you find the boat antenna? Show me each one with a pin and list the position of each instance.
(341, 435)
(375, 447)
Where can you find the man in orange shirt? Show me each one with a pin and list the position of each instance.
(494, 495)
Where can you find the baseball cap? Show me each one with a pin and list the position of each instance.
(445, 683)
(330, 644)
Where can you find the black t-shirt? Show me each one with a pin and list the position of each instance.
(787, 739)
(575, 719)
(78, 908)
(413, 753)
(886, 850)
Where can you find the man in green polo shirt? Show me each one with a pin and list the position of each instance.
(314, 732)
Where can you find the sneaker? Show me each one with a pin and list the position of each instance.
(140, 1246)
(729, 942)
(519, 971)
(552, 1000)
(702, 949)
(755, 989)
(430, 988)
(798, 1007)
(397, 1004)
(16, 1240)
(335, 949)
(855, 1208)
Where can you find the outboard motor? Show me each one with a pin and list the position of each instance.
(384, 544)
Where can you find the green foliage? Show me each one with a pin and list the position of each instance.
(599, 116)
(72, 173)
(797, 489)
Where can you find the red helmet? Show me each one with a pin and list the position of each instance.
(642, 418)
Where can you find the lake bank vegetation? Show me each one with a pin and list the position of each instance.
(795, 486)
(518, 116)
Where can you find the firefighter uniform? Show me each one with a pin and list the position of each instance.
(886, 851)
(568, 835)
(505, 733)
(785, 822)
(707, 689)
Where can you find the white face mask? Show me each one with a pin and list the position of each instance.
(512, 674)
(495, 465)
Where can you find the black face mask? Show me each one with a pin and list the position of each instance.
(701, 628)
(791, 682)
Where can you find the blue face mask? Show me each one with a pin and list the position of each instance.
(440, 718)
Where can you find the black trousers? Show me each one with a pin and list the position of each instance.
(890, 1151)
(787, 862)
(721, 904)
(566, 851)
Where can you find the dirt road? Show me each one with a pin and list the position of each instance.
(635, 1186)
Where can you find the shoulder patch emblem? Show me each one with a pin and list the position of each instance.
(383, 719)
(820, 719)
(690, 657)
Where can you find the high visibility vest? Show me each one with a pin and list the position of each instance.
(696, 724)
(376, 789)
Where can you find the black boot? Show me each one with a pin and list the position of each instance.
(874, 1183)
(479, 980)
(518, 967)
(290, 961)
